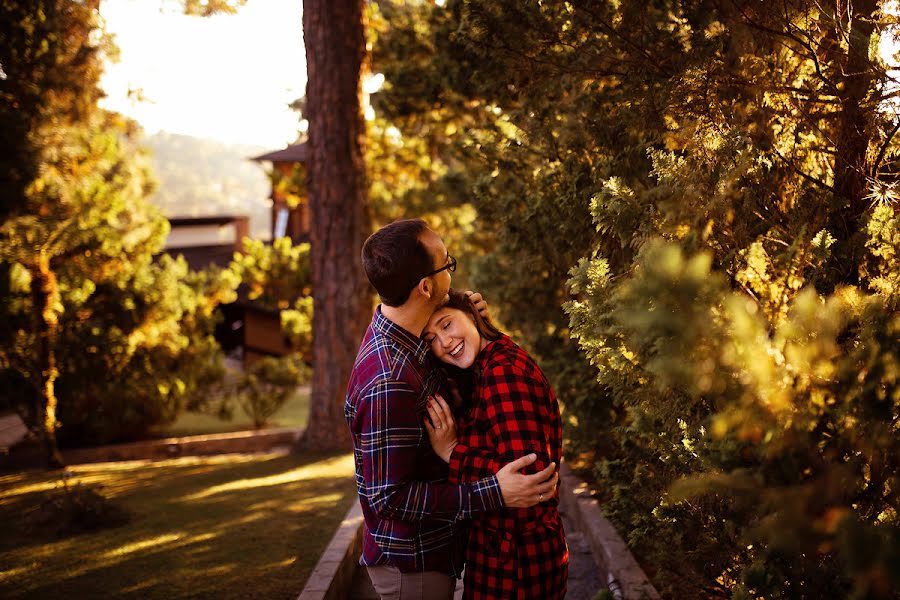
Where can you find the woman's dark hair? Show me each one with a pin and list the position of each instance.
(460, 301)
(394, 259)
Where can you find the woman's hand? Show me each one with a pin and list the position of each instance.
(441, 428)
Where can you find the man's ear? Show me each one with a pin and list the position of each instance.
(426, 287)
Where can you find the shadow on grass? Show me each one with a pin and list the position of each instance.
(221, 527)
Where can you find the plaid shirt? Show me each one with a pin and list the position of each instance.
(516, 552)
(411, 511)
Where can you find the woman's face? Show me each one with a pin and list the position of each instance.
(453, 337)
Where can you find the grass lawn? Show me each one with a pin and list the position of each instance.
(293, 414)
(212, 527)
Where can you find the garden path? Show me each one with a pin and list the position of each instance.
(584, 582)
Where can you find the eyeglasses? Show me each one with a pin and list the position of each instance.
(451, 266)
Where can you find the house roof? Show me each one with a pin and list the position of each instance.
(295, 153)
(205, 220)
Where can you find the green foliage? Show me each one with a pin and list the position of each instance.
(296, 324)
(208, 8)
(51, 54)
(134, 341)
(715, 182)
(290, 185)
(268, 383)
(516, 220)
(785, 427)
(882, 270)
(275, 274)
(99, 340)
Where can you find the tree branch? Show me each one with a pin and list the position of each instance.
(802, 174)
(884, 146)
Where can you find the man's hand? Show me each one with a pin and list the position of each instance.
(480, 303)
(442, 427)
(522, 491)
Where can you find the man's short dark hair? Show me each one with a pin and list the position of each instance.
(395, 260)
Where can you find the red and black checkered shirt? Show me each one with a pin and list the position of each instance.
(512, 553)
(413, 515)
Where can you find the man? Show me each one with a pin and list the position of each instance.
(412, 546)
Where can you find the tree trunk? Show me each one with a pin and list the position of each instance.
(44, 293)
(853, 135)
(333, 32)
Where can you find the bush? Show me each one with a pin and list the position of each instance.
(268, 383)
(725, 189)
(73, 509)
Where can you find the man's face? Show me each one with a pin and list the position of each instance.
(439, 258)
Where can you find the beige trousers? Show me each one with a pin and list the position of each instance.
(391, 584)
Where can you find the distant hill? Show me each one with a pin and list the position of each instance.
(204, 177)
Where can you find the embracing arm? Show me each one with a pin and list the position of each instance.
(388, 436)
(519, 490)
(517, 411)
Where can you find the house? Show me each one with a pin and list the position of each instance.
(288, 220)
(247, 330)
(207, 240)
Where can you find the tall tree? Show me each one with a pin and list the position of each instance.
(91, 329)
(334, 35)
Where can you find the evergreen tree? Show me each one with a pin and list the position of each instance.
(99, 342)
(725, 171)
(51, 56)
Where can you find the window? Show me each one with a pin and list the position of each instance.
(281, 221)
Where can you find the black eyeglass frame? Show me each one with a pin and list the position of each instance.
(450, 265)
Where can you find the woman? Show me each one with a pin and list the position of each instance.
(513, 553)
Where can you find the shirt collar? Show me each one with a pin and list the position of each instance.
(489, 351)
(415, 346)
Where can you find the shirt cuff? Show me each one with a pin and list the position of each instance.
(486, 494)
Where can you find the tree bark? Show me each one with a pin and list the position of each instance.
(854, 131)
(44, 293)
(334, 36)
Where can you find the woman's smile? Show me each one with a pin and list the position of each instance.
(453, 337)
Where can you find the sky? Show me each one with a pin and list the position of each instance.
(227, 77)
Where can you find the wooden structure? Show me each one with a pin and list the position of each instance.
(255, 329)
(287, 221)
(249, 330)
(207, 240)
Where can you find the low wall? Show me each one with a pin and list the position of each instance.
(265, 440)
(618, 568)
(333, 575)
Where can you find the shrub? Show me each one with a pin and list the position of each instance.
(268, 383)
(73, 509)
